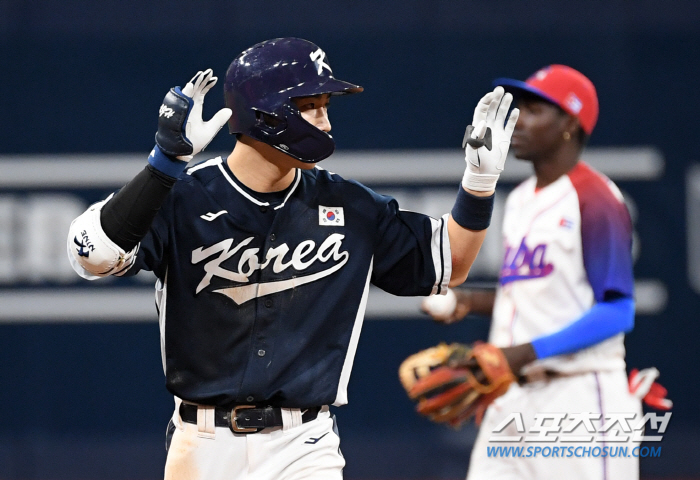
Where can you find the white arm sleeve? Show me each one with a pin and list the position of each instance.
(90, 251)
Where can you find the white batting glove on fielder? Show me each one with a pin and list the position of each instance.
(182, 133)
(487, 140)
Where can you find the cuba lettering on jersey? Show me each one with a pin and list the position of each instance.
(566, 245)
(263, 303)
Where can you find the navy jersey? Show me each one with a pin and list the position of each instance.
(263, 303)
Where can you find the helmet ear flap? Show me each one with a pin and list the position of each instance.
(297, 137)
(271, 124)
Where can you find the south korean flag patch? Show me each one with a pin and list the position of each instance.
(331, 216)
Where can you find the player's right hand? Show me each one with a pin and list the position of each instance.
(487, 140)
(449, 308)
(182, 133)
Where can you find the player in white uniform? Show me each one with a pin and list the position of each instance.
(564, 298)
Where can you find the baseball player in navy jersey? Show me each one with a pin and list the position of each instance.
(264, 260)
(565, 294)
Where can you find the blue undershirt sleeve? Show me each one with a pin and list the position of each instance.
(602, 321)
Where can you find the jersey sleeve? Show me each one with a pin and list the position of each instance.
(411, 252)
(606, 235)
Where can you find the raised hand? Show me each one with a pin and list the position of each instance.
(182, 133)
(487, 140)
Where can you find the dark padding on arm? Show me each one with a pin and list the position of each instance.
(127, 216)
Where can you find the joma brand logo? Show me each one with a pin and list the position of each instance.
(304, 255)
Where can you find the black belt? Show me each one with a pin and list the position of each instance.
(246, 418)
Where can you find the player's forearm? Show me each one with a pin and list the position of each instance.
(466, 227)
(127, 216)
(477, 301)
(104, 240)
(602, 321)
(518, 356)
(464, 246)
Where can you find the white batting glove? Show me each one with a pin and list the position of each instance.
(181, 131)
(199, 132)
(487, 140)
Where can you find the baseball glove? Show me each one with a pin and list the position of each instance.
(452, 383)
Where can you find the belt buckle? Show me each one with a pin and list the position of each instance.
(234, 425)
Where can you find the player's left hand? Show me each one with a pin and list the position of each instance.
(182, 133)
(452, 383)
(487, 140)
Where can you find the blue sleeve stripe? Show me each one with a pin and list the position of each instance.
(602, 321)
(165, 164)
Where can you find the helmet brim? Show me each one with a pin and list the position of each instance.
(326, 85)
(347, 87)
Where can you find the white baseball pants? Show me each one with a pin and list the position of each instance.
(309, 451)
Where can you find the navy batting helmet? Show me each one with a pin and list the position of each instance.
(260, 84)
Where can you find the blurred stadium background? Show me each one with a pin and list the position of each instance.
(81, 384)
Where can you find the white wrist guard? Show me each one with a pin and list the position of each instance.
(479, 182)
(91, 250)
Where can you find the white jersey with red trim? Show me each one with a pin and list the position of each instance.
(567, 246)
